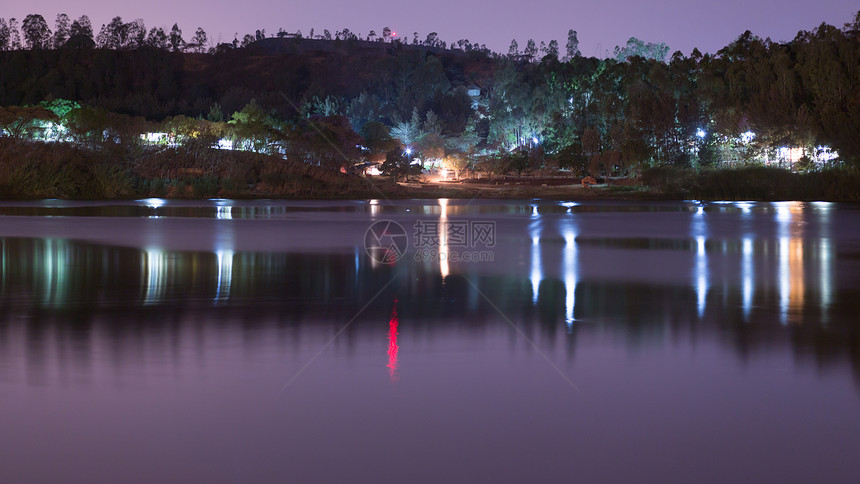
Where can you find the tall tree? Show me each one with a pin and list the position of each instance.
(113, 35)
(386, 34)
(531, 50)
(409, 131)
(514, 49)
(552, 49)
(199, 40)
(82, 27)
(4, 35)
(572, 46)
(176, 41)
(157, 38)
(37, 35)
(432, 40)
(61, 30)
(135, 34)
(14, 34)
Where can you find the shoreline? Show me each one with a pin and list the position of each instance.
(31, 171)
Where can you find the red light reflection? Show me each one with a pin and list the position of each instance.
(392, 344)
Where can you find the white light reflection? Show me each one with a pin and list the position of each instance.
(569, 266)
(825, 258)
(748, 274)
(154, 203)
(155, 270)
(225, 274)
(224, 250)
(356, 265)
(536, 270)
(224, 212)
(374, 207)
(701, 275)
(746, 207)
(443, 238)
(536, 274)
(569, 206)
(783, 215)
(55, 262)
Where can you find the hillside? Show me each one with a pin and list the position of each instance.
(281, 74)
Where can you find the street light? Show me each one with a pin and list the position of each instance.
(700, 133)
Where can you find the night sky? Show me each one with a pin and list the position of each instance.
(600, 24)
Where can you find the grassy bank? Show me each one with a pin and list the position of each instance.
(42, 170)
(754, 183)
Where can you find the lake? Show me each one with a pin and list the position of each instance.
(429, 341)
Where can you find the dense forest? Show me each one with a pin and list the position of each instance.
(336, 100)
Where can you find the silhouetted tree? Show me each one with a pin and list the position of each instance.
(37, 35)
(158, 39)
(82, 27)
(572, 46)
(199, 40)
(14, 34)
(61, 30)
(175, 38)
(4, 35)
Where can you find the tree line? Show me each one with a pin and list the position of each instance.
(539, 108)
(35, 33)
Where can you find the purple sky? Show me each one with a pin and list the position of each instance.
(600, 24)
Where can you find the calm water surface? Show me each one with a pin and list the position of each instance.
(227, 341)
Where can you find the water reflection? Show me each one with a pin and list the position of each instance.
(701, 275)
(155, 269)
(393, 348)
(569, 231)
(699, 231)
(225, 274)
(536, 272)
(777, 266)
(443, 228)
(748, 275)
(154, 203)
(742, 311)
(55, 266)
